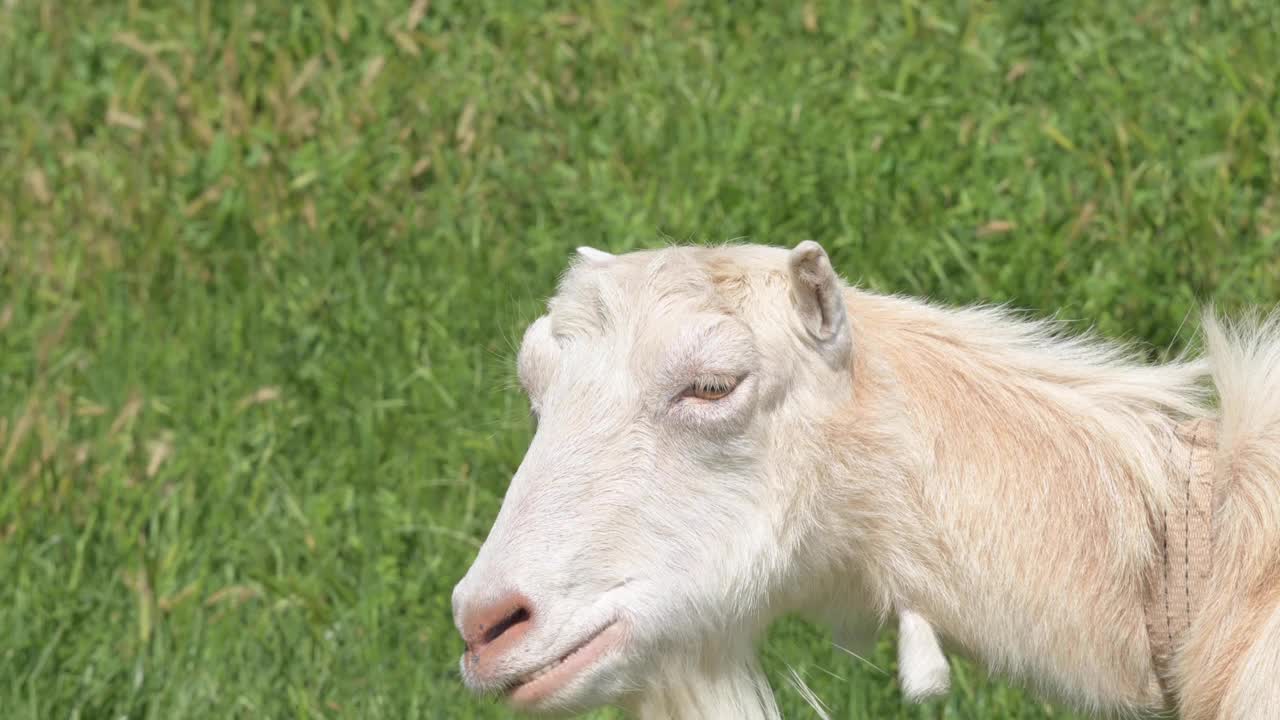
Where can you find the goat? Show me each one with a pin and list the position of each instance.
(728, 434)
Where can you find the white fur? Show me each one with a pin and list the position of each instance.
(992, 474)
(922, 668)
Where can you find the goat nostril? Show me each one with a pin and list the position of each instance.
(519, 615)
(499, 622)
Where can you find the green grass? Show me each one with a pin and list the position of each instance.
(262, 265)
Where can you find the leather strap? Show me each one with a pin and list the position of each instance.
(1178, 580)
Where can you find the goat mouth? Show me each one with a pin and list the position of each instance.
(534, 687)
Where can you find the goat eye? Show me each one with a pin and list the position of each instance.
(711, 388)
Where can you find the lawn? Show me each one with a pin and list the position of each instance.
(263, 266)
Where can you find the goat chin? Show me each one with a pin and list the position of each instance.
(732, 687)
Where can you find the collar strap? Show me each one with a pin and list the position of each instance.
(1178, 580)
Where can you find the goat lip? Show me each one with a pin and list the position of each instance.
(534, 687)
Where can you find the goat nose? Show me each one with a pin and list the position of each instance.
(497, 625)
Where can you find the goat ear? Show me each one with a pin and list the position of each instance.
(594, 255)
(819, 297)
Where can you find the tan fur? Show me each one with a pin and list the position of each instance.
(1018, 516)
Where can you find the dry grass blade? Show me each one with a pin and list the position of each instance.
(118, 118)
(810, 17)
(259, 397)
(160, 450)
(38, 184)
(416, 12)
(20, 430)
(127, 414)
(372, 70)
(308, 73)
(997, 227)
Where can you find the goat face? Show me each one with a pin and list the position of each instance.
(655, 507)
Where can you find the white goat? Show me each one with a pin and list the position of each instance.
(729, 434)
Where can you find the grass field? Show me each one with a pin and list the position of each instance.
(262, 265)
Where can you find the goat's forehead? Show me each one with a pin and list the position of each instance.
(632, 290)
(625, 292)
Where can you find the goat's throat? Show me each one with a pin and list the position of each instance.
(721, 689)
